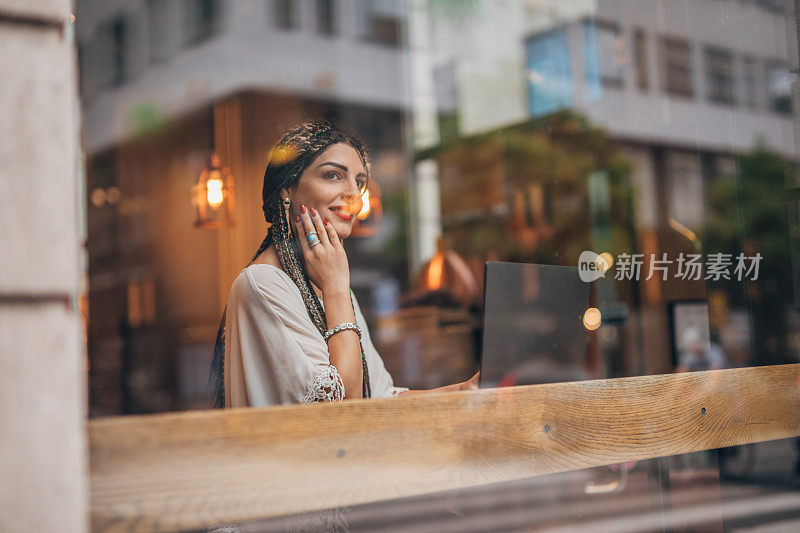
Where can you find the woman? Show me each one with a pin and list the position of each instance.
(293, 331)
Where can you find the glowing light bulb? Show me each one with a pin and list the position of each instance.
(592, 319)
(214, 195)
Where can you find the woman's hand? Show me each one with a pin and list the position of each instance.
(471, 383)
(326, 262)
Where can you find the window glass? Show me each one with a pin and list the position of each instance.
(158, 27)
(779, 87)
(549, 73)
(719, 73)
(750, 80)
(676, 68)
(203, 18)
(640, 60)
(380, 21)
(285, 13)
(658, 138)
(606, 55)
(326, 17)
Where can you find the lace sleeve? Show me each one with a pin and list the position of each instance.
(326, 387)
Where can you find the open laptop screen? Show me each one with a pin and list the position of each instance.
(533, 324)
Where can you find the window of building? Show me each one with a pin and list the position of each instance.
(119, 37)
(719, 74)
(285, 14)
(549, 72)
(381, 21)
(779, 87)
(640, 59)
(158, 30)
(605, 54)
(676, 69)
(111, 39)
(203, 17)
(326, 17)
(774, 5)
(750, 84)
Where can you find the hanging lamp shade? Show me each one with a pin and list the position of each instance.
(213, 196)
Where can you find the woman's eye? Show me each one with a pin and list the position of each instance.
(332, 175)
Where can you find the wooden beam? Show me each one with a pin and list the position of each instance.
(189, 470)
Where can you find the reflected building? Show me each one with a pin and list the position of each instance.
(619, 126)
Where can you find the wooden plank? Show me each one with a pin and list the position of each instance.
(188, 470)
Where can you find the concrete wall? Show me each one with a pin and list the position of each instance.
(43, 464)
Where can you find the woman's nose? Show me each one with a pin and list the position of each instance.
(353, 192)
(353, 187)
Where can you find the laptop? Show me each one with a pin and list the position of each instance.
(533, 328)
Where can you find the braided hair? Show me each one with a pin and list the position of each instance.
(290, 157)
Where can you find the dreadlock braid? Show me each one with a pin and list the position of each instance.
(290, 157)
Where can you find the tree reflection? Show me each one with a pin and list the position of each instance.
(749, 214)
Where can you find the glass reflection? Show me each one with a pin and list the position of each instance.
(683, 493)
(658, 134)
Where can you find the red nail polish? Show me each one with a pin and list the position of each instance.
(326, 222)
(302, 209)
(313, 211)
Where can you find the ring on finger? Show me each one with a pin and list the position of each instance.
(313, 238)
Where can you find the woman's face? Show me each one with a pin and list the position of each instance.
(332, 184)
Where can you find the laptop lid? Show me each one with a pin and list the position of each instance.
(533, 324)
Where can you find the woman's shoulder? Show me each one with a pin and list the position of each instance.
(262, 279)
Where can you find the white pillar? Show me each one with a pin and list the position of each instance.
(43, 463)
(425, 130)
(425, 214)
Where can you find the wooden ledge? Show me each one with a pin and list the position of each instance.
(188, 470)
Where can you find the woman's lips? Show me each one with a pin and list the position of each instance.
(341, 215)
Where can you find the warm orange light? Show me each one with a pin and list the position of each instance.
(370, 214)
(435, 270)
(365, 208)
(683, 230)
(592, 319)
(98, 197)
(214, 195)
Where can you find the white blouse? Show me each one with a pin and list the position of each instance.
(274, 354)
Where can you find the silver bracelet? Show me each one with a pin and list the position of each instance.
(342, 327)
